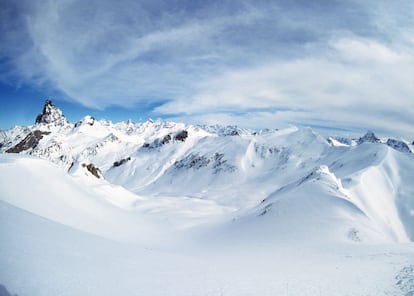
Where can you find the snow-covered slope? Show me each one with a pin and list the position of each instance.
(315, 208)
(40, 257)
(44, 189)
(62, 238)
(230, 211)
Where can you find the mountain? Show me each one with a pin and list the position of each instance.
(51, 115)
(205, 210)
(240, 171)
(399, 145)
(369, 137)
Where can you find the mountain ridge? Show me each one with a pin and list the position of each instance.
(236, 170)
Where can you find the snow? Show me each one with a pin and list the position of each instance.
(223, 211)
(316, 208)
(47, 258)
(66, 238)
(46, 190)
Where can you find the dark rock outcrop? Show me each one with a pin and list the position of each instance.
(194, 161)
(29, 142)
(121, 162)
(158, 142)
(181, 136)
(165, 140)
(93, 170)
(216, 162)
(398, 145)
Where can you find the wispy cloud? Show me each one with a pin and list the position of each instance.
(337, 63)
(355, 83)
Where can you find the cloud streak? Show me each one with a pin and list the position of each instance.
(304, 62)
(354, 83)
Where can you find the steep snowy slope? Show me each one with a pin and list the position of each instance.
(385, 193)
(46, 190)
(379, 181)
(314, 208)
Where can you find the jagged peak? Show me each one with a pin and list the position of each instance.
(369, 137)
(51, 114)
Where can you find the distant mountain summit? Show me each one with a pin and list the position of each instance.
(51, 115)
(369, 137)
(399, 145)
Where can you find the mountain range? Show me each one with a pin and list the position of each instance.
(256, 174)
(159, 183)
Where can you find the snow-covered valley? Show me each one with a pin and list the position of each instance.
(164, 208)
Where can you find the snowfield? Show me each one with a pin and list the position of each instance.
(163, 208)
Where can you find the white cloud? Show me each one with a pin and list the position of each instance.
(322, 81)
(108, 60)
(347, 65)
(355, 84)
(364, 51)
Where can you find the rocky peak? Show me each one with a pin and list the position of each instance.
(368, 137)
(51, 114)
(398, 145)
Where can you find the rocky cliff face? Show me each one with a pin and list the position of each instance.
(29, 142)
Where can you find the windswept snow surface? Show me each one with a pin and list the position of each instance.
(42, 257)
(190, 210)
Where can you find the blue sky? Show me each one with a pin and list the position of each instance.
(341, 65)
